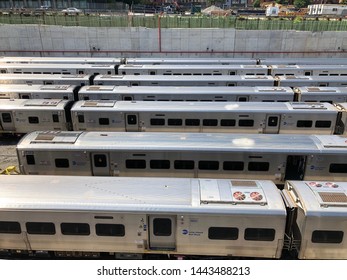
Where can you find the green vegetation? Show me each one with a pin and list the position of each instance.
(177, 21)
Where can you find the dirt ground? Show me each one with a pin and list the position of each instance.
(8, 156)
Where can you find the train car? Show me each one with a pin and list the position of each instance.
(65, 69)
(62, 60)
(23, 116)
(161, 80)
(311, 81)
(320, 224)
(103, 217)
(229, 117)
(321, 94)
(43, 79)
(217, 155)
(302, 61)
(67, 92)
(183, 93)
(190, 61)
(192, 69)
(308, 70)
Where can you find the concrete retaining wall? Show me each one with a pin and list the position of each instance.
(41, 40)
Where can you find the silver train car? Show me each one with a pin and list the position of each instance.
(310, 81)
(319, 227)
(43, 79)
(192, 69)
(228, 117)
(99, 217)
(173, 217)
(20, 116)
(184, 93)
(308, 70)
(161, 80)
(190, 61)
(273, 157)
(302, 61)
(62, 60)
(10, 91)
(65, 69)
(321, 94)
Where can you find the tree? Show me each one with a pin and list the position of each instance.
(256, 3)
(301, 3)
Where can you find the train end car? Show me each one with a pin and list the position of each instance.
(20, 116)
(139, 216)
(321, 220)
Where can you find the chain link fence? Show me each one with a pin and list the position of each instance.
(153, 21)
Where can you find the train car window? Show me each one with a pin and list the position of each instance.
(327, 236)
(33, 119)
(210, 122)
(258, 166)
(132, 119)
(30, 159)
(272, 121)
(223, 233)
(62, 163)
(75, 229)
(192, 122)
(3, 71)
(184, 164)
(6, 117)
(100, 160)
(233, 73)
(80, 118)
(10, 227)
(159, 164)
(110, 230)
(338, 168)
(323, 124)
(233, 165)
(247, 123)
(162, 227)
(260, 234)
(55, 118)
(307, 73)
(208, 165)
(304, 123)
(157, 121)
(104, 121)
(175, 122)
(228, 122)
(40, 228)
(135, 163)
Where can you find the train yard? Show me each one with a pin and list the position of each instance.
(237, 154)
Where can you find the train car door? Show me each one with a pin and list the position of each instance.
(7, 121)
(100, 164)
(272, 124)
(242, 98)
(162, 232)
(131, 122)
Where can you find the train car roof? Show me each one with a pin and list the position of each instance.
(182, 78)
(305, 79)
(36, 88)
(171, 61)
(123, 194)
(203, 142)
(191, 66)
(319, 197)
(322, 90)
(301, 60)
(172, 106)
(310, 67)
(185, 89)
(32, 104)
(40, 77)
(33, 59)
(54, 66)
